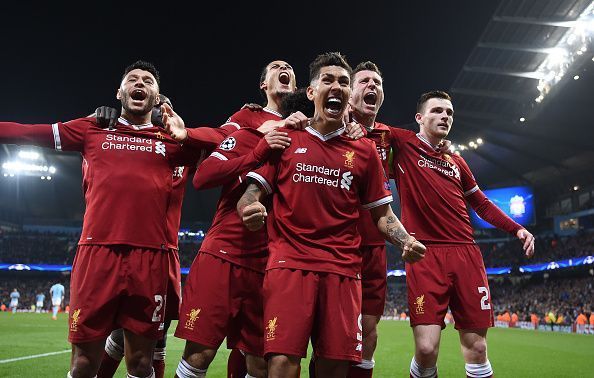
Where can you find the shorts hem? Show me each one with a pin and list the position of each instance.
(197, 340)
(472, 326)
(242, 347)
(79, 340)
(299, 354)
(437, 322)
(340, 357)
(372, 313)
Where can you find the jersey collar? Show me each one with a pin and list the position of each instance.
(326, 137)
(124, 121)
(424, 140)
(273, 112)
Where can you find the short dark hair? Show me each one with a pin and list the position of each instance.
(429, 95)
(367, 66)
(145, 66)
(297, 102)
(325, 60)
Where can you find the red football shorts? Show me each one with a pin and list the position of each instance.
(373, 279)
(173, 287)
(454, 276)
(221, 299)
(299, 304)
(117, 286)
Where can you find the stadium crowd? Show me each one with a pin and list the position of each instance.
(564, 298)
(554, 300)
(29, 247)
(37, 248)
(550, 248)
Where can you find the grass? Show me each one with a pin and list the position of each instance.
(513, 352)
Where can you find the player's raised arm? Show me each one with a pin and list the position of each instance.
(488, 211)
(24, 134)
(250, 209)
(219, 169)
(394, 232)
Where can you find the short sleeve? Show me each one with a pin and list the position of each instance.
(70, 136)
(266, 175)
(375, 185)
(467, 179)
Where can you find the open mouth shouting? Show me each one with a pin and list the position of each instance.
(138, 95)
(333, 106)
(284, 78)
(370, 98)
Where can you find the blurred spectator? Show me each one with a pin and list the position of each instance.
(29, 287)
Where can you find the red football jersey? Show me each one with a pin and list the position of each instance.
(127, 176)
(227, 238)
(432, 187)
(252, 118)
(180, 177)
(381, 135)
(319, 184)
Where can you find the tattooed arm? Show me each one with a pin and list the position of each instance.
(394, 232)
(250, 209)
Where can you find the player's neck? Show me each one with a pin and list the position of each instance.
(136, 119)
(273, 104)
(368, 121)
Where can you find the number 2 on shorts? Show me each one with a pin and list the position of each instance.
(485, 305)
(156, 316)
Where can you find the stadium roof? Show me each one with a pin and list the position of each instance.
(62, 62)
(518, 91)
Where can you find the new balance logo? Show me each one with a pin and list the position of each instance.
(346, 181)
(301, 150)
(160, 148)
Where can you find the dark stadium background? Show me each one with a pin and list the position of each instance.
(60, 62)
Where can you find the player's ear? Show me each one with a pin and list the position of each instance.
(419, 118)
(263, 86)
(119, 94)
(310, 93)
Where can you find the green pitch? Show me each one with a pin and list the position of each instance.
(513, 353)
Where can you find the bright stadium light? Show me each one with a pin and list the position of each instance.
(479, 141)
(29, 155)
(27, 167)
(573, 44)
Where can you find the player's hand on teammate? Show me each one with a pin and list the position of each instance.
(413, 250)
(528, 242)
(253, 107)
(253, 216)
(106, 117)
(174, 124)
(271, 125)
(277, 140)
(354, 130)
(444, 145)
(297, 121)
